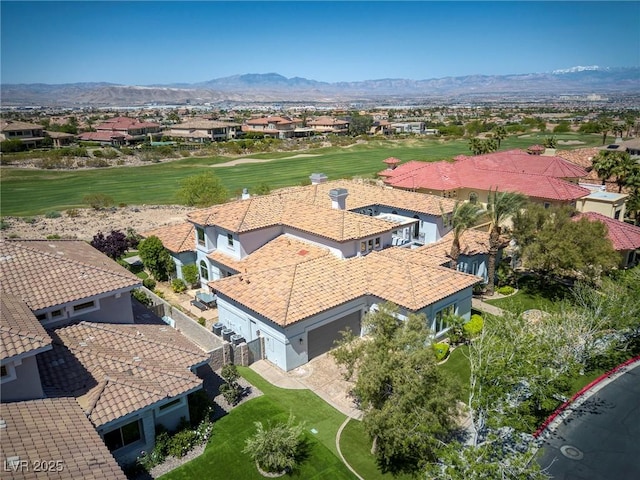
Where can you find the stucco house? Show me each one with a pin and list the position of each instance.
(30, 134)
(69, 331)
(201, 131)
(298, 266)
(122, 131)
(81, 282)
(545, 179)
(127, 378)
(326, 124)
(273, 126)
(609, 204)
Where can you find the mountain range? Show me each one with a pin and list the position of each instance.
(273, 87)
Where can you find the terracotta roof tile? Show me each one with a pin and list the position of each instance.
(55, 429)
(281, 251)
(175, 238)
(45, 273)
(116, 369)
(291, 293)
(623, 236)
(269, 210)
(20, 330)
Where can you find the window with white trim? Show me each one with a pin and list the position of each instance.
(441, 320)
(200, 236)
(204, 270)
(230, 240)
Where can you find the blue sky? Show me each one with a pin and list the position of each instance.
(142, 43)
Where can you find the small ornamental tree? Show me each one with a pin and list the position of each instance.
(276, 448)
(190, 274)
(113, 245)
(202, 190)
(230, 389)
(155, 257)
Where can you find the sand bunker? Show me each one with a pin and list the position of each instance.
(240, 161)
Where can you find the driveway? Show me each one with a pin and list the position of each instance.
(321, 375)
(597, 437)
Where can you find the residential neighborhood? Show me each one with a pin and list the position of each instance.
(247, 240)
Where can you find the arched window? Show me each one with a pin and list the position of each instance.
(204, 270)
(473, 198)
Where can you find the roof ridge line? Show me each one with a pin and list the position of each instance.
(293, 279)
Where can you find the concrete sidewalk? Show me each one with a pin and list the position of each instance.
(321, 375)
(478, 304)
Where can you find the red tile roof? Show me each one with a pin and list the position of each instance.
(125, 123)
(536, 176)
(44, 273)
(54, 430)
(104, 136)
(116, 369)
(20, 330)
(623, 236)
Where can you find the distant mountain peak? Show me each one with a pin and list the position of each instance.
(578, 68)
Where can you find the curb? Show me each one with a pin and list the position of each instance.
(581, 393)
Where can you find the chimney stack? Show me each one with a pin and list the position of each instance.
(338, 198)
(318, 178)
(245, 194)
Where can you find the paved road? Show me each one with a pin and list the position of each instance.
(599, 438)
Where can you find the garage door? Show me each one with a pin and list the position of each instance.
(320, 340)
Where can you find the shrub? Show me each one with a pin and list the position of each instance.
(126, 151)
(506, 290)
(159, 293)
(96, 162)
(53, 214)
(200, 407)
(181, 443)
(30, 220)
(474, 326)
(141, 297)
(149, 283)
(178, 285)
(230, 390)
(53, 237)
(98, 201)
(441, 350)
(202, 321)
(113, 245)
(73, 213)
(4, 225)
(275, 448)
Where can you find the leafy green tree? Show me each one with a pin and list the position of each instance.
(156, 258)
(480, 147)
(190, 274)
(550, 142)
(465, 215)
(11, 146)
(559, 245)
(202, 190)
(408, 403)
(360, 124)
(276, 448)
(262, 188)
(500, 207)
(230, 389)
(562, 127)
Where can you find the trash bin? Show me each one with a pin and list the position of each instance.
(217, 328)
(226, 334)
(237, 339)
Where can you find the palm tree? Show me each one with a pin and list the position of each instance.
(499, 133)
(604, 126)
(501, 206)
(465, 215)
(626, 169)
(605, 165)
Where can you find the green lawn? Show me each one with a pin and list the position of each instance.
(158, 183)
(458, 366)
(534, 293)
(223, 458)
